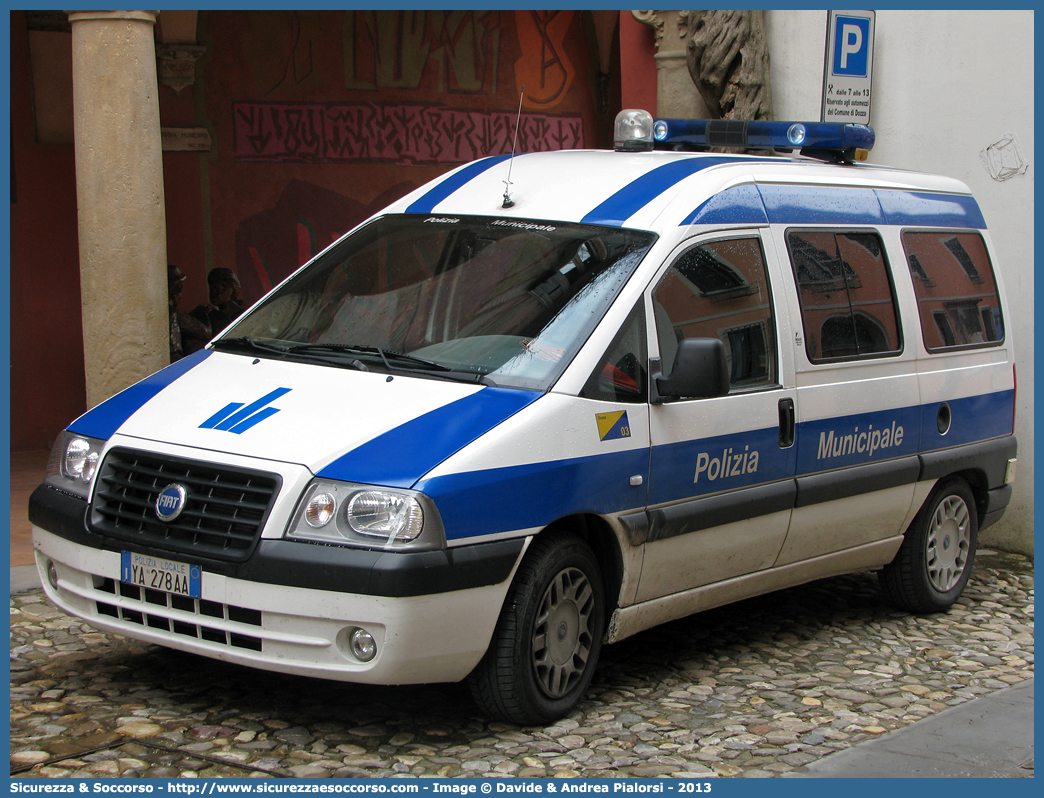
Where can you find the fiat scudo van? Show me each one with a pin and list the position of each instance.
(548, 401)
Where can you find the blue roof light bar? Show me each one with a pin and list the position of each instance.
(826, 140)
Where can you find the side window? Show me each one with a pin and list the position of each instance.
(720, 289)
(956, 291)
(848, 306)
(622, 374)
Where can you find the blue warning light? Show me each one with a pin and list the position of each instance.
(836, 140)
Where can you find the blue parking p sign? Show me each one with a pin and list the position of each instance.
(848, 66)
(851, 46)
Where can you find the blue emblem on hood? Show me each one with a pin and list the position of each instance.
(236, 418)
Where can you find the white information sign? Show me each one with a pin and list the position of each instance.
(848, 66)
(185, 139)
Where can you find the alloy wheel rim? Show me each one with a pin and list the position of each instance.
(949, 543)
(562, 635)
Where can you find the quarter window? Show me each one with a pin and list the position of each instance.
(848, 306)
(621, 375)
(956, 291)
(720, 289)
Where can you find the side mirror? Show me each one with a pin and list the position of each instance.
(700, 371)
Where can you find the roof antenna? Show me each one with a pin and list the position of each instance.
(508, 202)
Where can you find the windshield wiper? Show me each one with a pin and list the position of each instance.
(284, 351)
(430, 367)
(326, 354)
(249, 343)
(384, 354)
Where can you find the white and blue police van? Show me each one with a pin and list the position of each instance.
(550, 400)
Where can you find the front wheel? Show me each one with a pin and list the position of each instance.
(934, 563)
(547, 640)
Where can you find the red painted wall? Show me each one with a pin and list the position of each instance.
(637, 64)
(47, 380)
(183, 199)
(321, 118)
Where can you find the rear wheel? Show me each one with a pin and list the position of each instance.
(547, 640)
(934, 563)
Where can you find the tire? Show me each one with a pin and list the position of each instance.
(546, 643)
(933, 565)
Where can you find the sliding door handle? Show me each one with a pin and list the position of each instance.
(786, 423)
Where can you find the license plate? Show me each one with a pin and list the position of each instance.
(158, 573)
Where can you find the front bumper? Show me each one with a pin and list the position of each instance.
(426, 638)
(292, 606)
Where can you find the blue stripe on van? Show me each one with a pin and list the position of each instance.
(830, 443)
(788, 204)
(821, 205)
(972, 419)
(401, 456)
(736, 205)
(102, 421)
(690, 469)
(930, 209)
(640, 192)
(533, 495)
(456, 180)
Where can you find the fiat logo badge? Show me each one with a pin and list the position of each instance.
(170, 502)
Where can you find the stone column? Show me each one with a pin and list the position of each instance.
(676, 94)
(119, 195)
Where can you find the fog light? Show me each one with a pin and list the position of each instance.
(52, 574)
(363, 646)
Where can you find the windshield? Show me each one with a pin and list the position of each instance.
(500, 301)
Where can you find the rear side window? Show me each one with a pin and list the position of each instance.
(720, 289)
(848, 306)
(956, 291)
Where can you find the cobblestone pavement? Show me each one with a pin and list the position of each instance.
(758, 688)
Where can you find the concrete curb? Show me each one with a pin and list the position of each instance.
(24, 578)
(990, 737)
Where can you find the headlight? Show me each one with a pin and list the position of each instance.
(361, 515)
(380, 514)
(74, 462)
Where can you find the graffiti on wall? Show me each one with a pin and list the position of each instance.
(299, 61)
(462, 49)
(421, 88)
(396, 49)
(543, 69)
(399, 133)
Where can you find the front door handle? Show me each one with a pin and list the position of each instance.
(786, 423)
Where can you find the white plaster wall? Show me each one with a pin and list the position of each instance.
(946, 84)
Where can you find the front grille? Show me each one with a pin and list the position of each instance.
(152, 602)
(225, 508)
